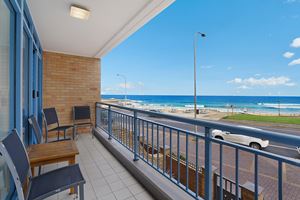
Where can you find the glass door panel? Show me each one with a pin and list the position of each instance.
(7, 23)
(25, 89)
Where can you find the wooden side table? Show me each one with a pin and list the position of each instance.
(48, 153)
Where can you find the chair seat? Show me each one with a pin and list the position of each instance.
(83, 123)
(55, 181)
(61, 128)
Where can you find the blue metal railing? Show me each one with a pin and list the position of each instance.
(177, 153)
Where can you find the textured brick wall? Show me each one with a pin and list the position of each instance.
(70, 80)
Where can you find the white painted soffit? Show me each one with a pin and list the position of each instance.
(110, 23)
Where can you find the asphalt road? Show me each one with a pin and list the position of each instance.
(277, 148)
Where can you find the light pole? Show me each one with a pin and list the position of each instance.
(195, 72)
(125, 86)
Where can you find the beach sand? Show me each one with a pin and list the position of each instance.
(205, 114)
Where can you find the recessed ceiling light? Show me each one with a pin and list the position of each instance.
(79, 12)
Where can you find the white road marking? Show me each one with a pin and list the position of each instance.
(282, 147)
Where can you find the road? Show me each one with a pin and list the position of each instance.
(267, 167)
(277, 148)
(268, 174)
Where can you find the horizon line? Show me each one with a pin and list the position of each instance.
(200, 95)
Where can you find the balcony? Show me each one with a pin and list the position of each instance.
(105, 176)
(205, 164)
(54, 60)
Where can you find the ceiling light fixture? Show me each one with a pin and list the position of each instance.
(79, 12)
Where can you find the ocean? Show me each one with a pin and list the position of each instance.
(251, 104)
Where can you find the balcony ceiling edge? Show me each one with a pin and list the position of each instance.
(110, 23)
(138, 21)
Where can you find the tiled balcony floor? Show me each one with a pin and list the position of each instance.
(106, 178)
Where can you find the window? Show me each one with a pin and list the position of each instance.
(25, 85)
(7, 70)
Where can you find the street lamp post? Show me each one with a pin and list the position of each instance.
(125, 85)
(195, 72)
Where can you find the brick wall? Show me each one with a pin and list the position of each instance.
(70, 80)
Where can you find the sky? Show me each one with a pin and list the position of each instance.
(252, 47)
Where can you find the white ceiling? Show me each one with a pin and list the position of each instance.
(110, 22)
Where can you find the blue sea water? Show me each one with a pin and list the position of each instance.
(262, 104)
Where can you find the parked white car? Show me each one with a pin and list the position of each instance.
(253, 142)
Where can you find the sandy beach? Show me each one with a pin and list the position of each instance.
(204, 113)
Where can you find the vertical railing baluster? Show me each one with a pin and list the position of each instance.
(126, 130)
(147, 142)
(157, 144)
(221, 171)
(118, 127)
(96, 115)
(171, 163)
(152, 141)
(122, 129)
(164, 146)
(197, 167)
(143, 132)
(129, 132)
(132, 131)
(237, 174)
(129, 129)
(139, 138)
(109, 123)
(178, 157)
(135, 135)
(120, 132)
(208, 164)
(280, 185)
(187, 160)
(256, 176)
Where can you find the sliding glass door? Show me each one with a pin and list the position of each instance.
(25, 89)
(7, 89)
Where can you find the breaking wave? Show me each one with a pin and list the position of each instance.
(280, 105)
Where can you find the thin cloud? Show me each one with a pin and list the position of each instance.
(109, 90)
(141, 84)
(291, 1)
(206, 66)
(244, 87)
(271, 81)
(127, 86)
(296, 43)
(295, 62)
(229, 68)
(288, 54)
(130, 85)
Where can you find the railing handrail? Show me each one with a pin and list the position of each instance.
(160, 124)
(270, 135)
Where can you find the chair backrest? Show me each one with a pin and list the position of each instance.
(36, 129)
(50, 116)
(81, 113)
(15, 155)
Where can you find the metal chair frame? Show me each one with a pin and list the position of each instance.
(22, 195)
(81, 124)
(57, 128)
